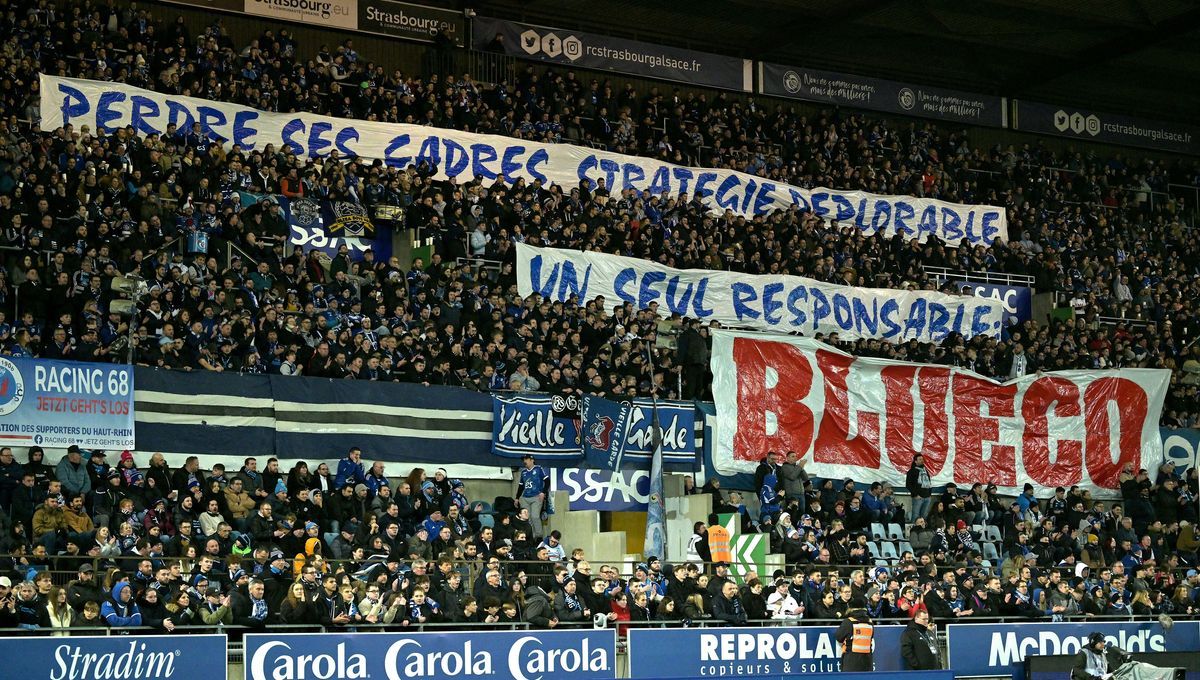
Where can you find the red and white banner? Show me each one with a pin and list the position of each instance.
(866, 418)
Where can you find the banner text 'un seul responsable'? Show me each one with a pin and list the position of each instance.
(777, 303)
(105, 107)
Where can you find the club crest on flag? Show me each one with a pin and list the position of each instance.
(350, 220)
(306, 212)
(599, 433)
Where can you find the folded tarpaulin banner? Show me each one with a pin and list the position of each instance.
(106, 107)
(540, 425)
(605, 432)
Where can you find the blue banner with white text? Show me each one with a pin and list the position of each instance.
(530, 424)
(1001, 648)
(605, 431)
(500, 655)
(748, 652)
(106, 107)
(627, 490)
(311, 226)
(1017, 301)
(60, 403)
(124, 657)
(1180, 445)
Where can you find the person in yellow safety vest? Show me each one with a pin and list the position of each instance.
(855, 636)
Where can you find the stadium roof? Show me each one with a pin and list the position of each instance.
(1135, 56)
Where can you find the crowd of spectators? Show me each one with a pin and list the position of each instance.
(347, 547)
(78, 208)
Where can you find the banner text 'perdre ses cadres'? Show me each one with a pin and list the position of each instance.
(866, 418)
(106, 107)
(776, 303)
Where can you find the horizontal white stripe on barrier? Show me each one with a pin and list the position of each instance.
(409, 411)
(369, 429)
(225, 400)
(200, 420)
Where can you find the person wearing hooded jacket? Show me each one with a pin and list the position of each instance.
(120, 611)
(539, 611)
(1097, 661)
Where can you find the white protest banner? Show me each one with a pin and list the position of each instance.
(784, 304)
(866, 418)
(105, 107)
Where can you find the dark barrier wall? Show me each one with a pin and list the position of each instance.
(1058, 667)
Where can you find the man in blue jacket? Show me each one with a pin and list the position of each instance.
(350, 470)
(531, 492)
(121, 611)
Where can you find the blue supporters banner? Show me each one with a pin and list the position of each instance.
(535, 424)
(229, 414)
(60, 403)
(511, 655)
(605, 431)
(328, 225)
(877, 94)
(204, 413)
(118, 657)
(782, 304)
(627, 490)
(749, 652)
(1180, 445)
(1017, 301)
(395, 421)
(106, 107)
(1001, 648)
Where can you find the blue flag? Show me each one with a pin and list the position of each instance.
(656, 507)
(604, 431)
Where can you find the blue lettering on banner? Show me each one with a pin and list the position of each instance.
(527, 424)
(131, 657)
(748, 652)
(521, 655)
(60, 403)
(1001, 649)
(110, 106)
(627, 490)
(771, 303)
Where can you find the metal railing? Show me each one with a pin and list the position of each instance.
(1001, 278)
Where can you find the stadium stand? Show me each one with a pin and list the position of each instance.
(88, 541)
